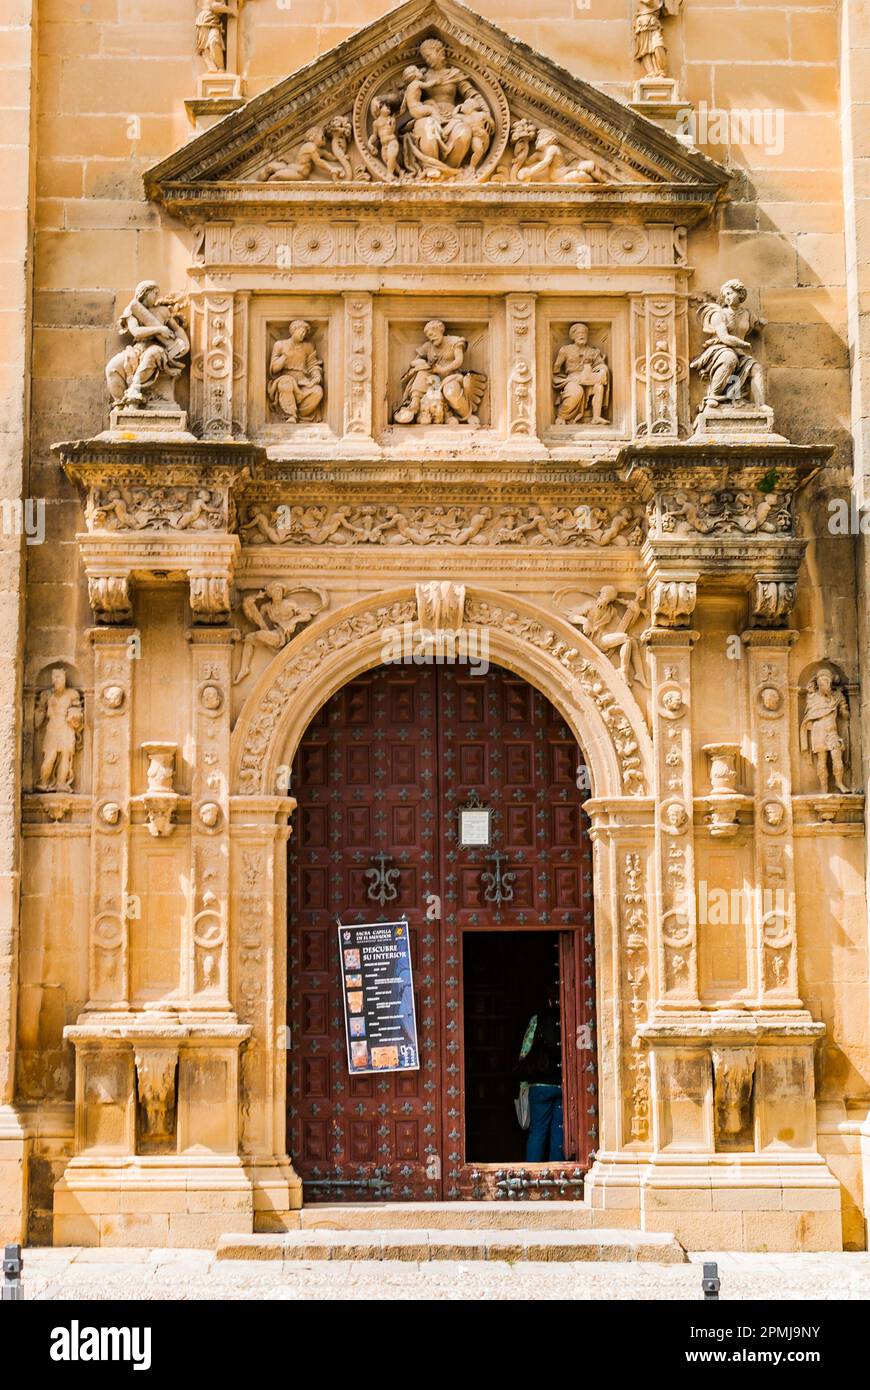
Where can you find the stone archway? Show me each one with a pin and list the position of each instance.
(568, 670)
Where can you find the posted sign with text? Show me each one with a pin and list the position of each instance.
(378, 994)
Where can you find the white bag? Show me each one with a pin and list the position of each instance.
(522, 1106)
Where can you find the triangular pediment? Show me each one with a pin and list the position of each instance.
(434, 96)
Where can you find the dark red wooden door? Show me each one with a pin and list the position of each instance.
(384, 768)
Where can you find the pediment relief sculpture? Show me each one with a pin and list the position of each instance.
(538, 157)
(436, 95)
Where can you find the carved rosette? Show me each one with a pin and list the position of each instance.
(770, 721)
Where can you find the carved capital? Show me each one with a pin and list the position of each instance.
(110, 597)
(673, 600)
(210, 597)
(772, 600)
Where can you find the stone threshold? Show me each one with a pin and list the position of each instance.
(422, 1246)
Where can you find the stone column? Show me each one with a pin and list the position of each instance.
(206, 982)
(521, 377)
(358, 366)
(775, 955)
(670, 650)
(258, 930)
(111, 905)
(211, 364)
(659, 349)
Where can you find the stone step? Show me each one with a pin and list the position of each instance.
(452, 1216)
(462, 1245)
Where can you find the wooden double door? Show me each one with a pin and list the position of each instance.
(383, 770)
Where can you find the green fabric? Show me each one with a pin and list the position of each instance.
(529, 1037)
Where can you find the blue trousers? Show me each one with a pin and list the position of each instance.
(546, 1138)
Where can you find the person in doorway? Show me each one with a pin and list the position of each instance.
(540, 1065)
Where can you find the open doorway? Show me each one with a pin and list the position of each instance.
(506, 975)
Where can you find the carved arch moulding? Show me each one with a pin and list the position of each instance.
(580, 682)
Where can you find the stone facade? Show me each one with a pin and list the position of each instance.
(446, 305)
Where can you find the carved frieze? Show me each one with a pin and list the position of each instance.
(585, 525)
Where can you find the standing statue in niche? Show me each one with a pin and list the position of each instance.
(726, 362)
(210, 36)
(649, 38)
(581, 377)
(435, 388)
(296, 375)
(145, 370)
(60, 710)
(819, 732)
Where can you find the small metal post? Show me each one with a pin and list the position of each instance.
(13, 1288)
(711, 1282)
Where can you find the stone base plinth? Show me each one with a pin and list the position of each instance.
(723, 1201)
(165, 423)
(15, 1145)
(173, 1201)
(739, 424)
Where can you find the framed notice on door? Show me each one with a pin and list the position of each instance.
(378, 993)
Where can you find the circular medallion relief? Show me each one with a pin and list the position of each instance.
(565, 245)
(376, 245)
(250, 244)
(439, 243)
(504, 245)
(628, 245)
(431, 116)
(313, 244)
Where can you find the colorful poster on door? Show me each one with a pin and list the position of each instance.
(378, 994)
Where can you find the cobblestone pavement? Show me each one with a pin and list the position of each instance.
(195, 1274)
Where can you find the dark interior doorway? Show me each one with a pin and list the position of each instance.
(505, 977)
